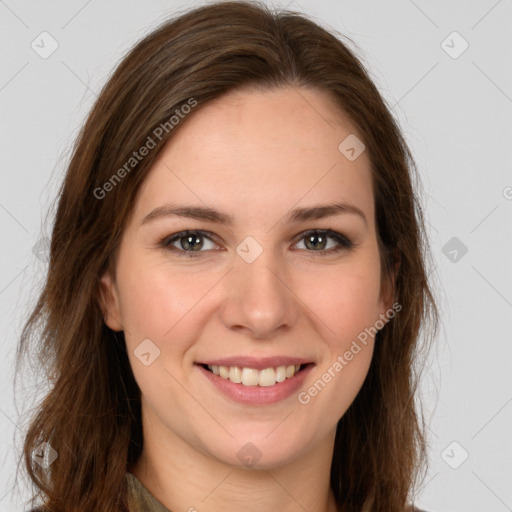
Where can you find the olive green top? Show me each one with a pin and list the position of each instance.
(140, 499)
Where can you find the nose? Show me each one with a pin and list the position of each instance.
(259, 298)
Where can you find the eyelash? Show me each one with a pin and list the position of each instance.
(343, 241)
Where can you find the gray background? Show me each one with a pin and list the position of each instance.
(456, 113)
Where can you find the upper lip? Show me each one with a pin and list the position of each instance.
(258, 363)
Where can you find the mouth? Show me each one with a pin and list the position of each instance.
(262, 377)
(256, 382)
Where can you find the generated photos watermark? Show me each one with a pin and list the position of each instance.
(304, 397)
(151, 142)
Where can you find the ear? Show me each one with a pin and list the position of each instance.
(109, 302)
(388, 295)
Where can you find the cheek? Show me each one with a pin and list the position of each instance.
(156, 304)
(346, 307)
(154, 300)
(346, 300)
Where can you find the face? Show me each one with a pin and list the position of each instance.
(254, 286)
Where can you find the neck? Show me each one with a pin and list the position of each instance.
(183, 478)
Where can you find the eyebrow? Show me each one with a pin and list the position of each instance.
(212, 215)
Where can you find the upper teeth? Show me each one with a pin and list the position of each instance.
(253, 377)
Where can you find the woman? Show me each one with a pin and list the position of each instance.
(237, 282)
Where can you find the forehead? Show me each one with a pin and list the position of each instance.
(260, 152)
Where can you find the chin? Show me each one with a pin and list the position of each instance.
(257, 452)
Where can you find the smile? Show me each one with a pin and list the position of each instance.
(254, 377)
(270, 382)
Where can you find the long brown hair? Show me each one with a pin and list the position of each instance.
(91, 415)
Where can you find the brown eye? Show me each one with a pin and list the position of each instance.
(193, 242)
(318, 241)
(188, 242)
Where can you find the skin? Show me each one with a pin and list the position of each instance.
(254, 155)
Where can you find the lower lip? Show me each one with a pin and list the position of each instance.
(258, 394)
